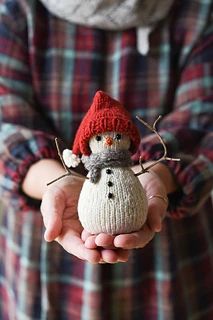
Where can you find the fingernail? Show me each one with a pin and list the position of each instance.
(158, 228)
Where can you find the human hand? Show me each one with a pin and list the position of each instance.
(157, 206)
(59, 211)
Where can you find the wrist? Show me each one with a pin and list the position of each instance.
(166, 177)
(163, 173)
(39, 174)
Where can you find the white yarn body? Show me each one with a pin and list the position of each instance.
(116, 204)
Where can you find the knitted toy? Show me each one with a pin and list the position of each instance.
(112, 199)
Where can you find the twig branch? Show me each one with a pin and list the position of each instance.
(64, 175)
(60, 156)
(68, 171)
(164, 156)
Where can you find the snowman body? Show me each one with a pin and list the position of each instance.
(116, 204)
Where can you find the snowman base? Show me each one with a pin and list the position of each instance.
(117, 204)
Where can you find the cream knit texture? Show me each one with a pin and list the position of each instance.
(114, 15)
(116, 204)
(110, 14)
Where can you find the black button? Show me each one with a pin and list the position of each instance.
(108, 171)
(109, 183)
(110, 195)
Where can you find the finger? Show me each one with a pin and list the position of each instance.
(73, 244)
(114, 256)
(157, 211)
(134, 240)
(101, 240)
(154, 220)
(105, 240)
(126, 241)
(109, 256)
(123, 255)
(90, 242)
(85, 234)
(53, 228)
(52, 207)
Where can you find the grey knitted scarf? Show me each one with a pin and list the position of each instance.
(97, 161)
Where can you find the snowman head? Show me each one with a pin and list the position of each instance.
(114, 141)
(106, 126)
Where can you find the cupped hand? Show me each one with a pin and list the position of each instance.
(157, 207)
(59, 211)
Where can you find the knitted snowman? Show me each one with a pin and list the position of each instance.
(112, 199)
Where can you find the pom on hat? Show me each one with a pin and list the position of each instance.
(70, 159)
(104, 115)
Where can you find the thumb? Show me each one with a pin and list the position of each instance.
(53, 228)
(52, 208)
(155, 217)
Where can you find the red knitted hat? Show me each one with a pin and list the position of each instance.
(105, 114)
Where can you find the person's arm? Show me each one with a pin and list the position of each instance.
(187, 132)
(164, 173)
(28, 155)
(24, 133)
(47, 170)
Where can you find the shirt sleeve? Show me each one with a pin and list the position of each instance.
(25, 135)
(187, 131)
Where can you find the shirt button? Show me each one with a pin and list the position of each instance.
(110, 195)
(109, 183)
(108, 171)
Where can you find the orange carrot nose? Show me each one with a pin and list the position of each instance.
(108, 141)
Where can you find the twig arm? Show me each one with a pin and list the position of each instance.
(68, 171)
(61, 158)
(164, 156)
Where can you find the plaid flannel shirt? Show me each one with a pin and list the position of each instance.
(49, 72)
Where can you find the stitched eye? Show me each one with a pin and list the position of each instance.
(98, 138)
(118, 136)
